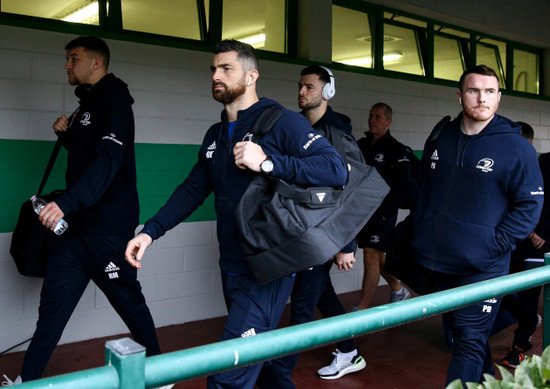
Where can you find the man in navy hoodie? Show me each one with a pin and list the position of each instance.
(226, 164)
(482, 193)
(100, 205)
(313, 286)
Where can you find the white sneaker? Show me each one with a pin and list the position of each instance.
(400, 295)
(169, 386)
(342, 364)
(9, 382)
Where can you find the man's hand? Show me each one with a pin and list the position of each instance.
(50, 215)
(345, 261)
(61, 124)
(136, 248)
(248, 155)
(536, 240)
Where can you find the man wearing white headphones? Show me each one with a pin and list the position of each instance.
(313, 287)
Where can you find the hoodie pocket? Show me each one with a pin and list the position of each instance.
(455, 246)
(468, 245)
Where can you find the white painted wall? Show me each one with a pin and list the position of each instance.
(171, 86)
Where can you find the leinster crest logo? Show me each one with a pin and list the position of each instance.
(485, 165)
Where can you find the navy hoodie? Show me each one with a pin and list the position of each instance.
(481, 194)
(300, 155)
(101, 196)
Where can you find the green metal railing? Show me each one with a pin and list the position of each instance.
(127, 367)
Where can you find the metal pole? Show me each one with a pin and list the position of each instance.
(128, 358)
(216, 357)
(546, 310)
(183, 365)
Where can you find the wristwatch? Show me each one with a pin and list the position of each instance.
(267, 165)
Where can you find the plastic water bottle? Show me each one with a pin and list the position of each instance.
(38, 204)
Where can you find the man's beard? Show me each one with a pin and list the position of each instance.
(473, 113)
(227, 95)
(309, 105)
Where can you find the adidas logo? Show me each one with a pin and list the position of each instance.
(111, 267)
(250, 332)
(112, 270)
(321, 196)
(210, 150)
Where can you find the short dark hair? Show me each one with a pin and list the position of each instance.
(318, 70)
(245, 53)
(388, 112)
(484, 70)
(92, 43)
(526, 130)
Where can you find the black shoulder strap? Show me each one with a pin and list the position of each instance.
(438, 128)
(54, 154)
(265, 121)
(51, 162)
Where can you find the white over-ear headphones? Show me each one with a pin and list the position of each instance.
(329, 90)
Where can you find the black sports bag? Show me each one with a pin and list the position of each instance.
(286, 228)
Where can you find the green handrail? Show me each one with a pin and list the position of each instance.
(199, 361)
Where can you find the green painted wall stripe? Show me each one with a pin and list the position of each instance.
(160, 168)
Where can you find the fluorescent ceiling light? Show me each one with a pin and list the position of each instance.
(393, 57)
(388, 58)
(86, 14)
(359, 61)
(255, 40)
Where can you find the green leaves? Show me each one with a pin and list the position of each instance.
(532, 373)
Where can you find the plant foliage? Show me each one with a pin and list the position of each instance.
(532, 373)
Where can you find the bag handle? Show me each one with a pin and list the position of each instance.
(316, 196)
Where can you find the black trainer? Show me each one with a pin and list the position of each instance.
(514, 357)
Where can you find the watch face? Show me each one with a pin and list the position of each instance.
(267, 166)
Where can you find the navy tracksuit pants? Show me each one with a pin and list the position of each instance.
(77, 259)
(312, 288)
(470, 327)
(252, 308)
